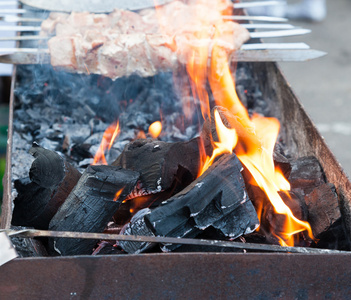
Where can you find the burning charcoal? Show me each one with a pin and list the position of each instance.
(90, 206)
(282, 163)
(51, 181)
(158, 162)
(306, 174)
(216, 199)
(273, 222)
(241, 91)
(323, 208)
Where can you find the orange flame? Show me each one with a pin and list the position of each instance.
(155, 129)
(253, 138)
(107, 141)
(118, 193)
(227, 139)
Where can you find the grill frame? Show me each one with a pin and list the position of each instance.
(194, 275)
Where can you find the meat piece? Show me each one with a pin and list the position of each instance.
(48, 26)
(125, 43)
(62, 52)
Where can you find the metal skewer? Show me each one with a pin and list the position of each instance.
(31, 233)
(255, 18)
(11, 19)
(8, 3)
(275, 46)
(24, 38)
(268, 26)
(278, 33)
(20, 28)
(253, 35)
(12, 11)
(258, 3)
(110, 6)
(42, 56)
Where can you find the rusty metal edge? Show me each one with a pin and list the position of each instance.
(6, 208)
(179, 276)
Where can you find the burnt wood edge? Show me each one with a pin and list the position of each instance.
(6, 208)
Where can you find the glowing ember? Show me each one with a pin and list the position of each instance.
(155, 129)
(108, 139)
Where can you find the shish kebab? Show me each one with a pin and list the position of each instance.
(125, 43)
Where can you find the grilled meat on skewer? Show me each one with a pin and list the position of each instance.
(145, 43)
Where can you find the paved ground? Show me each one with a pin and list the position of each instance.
(324, 85)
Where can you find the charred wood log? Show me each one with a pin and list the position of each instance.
(51, 179)
(90, 206)
(159, 163)
(28, 247)
(323, 208)
(282, 163)
(306, 174)
(273, 222)
(216, 199)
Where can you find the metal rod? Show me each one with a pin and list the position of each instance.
(253, 35)
(20, 28)
(235, 5)
(23, 50)
(268, 26)
(12, 11)
(254, 18)
(19, 19)
(258, 3)
(7, 3)
(32, 233)
(42, 56)
(23, 38)
(278, 33)
(275, 46)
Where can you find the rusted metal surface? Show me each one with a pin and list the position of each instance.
(179, 276)
(196, 275)
(6, 207)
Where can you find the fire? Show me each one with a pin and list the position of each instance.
(107, 141)
(118, 193)
(253, 138)
(226, 144)
(155, 129)
(200, 45)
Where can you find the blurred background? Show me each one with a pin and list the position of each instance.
(322, 85)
